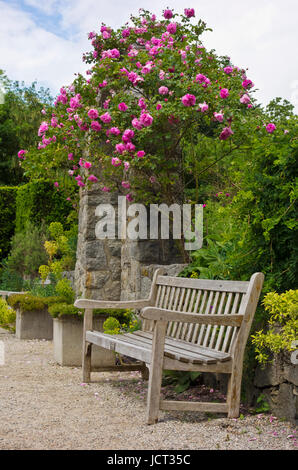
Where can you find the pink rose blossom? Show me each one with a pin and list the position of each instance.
(125, 184)
(188, 100)
(224, 93)
(225, 134)
(114, 131)
(136, 124)
(168, 14)
(247, 84)
(126, 165)
(163, 90)
(95, 126)
(270, 128)
(120, 148)
(128, 134)
(87, 165)
(130, 147)
(218, 116)
(93, 114)
(141, 154)
(106, 118)
(146, 119)
(122, 106)
(228, 70)
(116, 161)
(70, 156)
(172, 28)
(93, 179)
(43, 128)
(125, 33)
(158, 106)
(189, 12)
(203, 106)
(245, 99)
(129, 197)
(22, 153)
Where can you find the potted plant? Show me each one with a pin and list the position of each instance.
(68, 334)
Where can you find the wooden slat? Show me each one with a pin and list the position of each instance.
(206, 312)
(204, 284)
(222, 328)
(219, 312)
(228, 331)
(93, 304)
(193, 406)
(184, 309)
(201, 309)
(175, 350)
(115, 344)
(179, 306)
(160, 314)
(190, 347)
(213, 311)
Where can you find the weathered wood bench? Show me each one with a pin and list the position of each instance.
(188, 325)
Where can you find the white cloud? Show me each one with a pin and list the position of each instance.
(260, 35)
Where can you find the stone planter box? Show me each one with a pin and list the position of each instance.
(35, 324)
(68, 339)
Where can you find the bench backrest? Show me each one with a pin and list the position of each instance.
(204, 296)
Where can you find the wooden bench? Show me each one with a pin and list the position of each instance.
(188, 325)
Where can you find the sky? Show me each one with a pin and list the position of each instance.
(45, 40)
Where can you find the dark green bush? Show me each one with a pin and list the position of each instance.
(7, 218)
(39, 202)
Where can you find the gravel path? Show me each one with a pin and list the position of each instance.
(46, 406)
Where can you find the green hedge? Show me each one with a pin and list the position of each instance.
(7, 218)
(40, 202)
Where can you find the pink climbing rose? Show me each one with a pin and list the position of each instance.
(188, 100)
(122, 106)
(270, 127)
(225, 134)
(168, 14)
(93, 114)
(189, 12)
(163, 90)
(224, 93)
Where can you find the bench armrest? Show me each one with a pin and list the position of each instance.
(93, 304)
(161, 314)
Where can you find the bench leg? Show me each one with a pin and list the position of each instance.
(233, 395)
(154, 386)
(155, 375)
(86, 362)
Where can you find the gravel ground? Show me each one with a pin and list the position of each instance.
(46, 406)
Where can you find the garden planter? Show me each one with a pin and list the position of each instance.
(68, 339)
(34, 324)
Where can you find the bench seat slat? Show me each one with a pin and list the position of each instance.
(174, 351)
(139, 346)
(190, 347)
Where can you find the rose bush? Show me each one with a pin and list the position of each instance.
(150, 89)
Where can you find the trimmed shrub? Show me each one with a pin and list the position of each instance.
(40, 202)
(7, 218)
(7, 315)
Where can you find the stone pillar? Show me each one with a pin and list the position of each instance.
(113, 269)
(98, 266)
